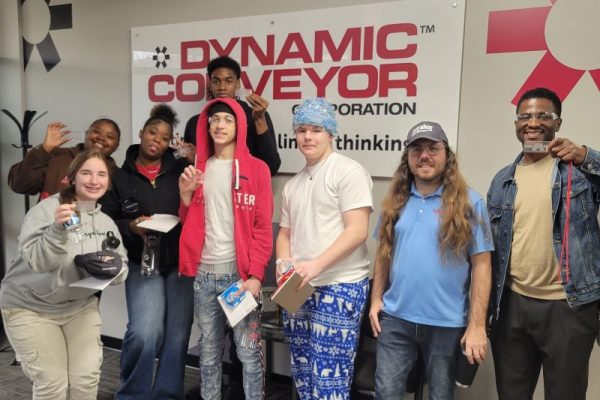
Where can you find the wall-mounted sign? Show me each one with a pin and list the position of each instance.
(385, 67)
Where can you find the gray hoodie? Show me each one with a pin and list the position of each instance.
(38, 280)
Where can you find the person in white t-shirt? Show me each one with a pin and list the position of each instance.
(226, 209)
(324, 223)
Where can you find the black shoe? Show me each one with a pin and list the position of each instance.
(193, 393)
(234, 390)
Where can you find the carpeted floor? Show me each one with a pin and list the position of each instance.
(15, 386)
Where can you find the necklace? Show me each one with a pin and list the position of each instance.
(150, 173)
(315, 170)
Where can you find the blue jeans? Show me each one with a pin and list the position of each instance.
(397, 348)
(211, 322)
(161, 312)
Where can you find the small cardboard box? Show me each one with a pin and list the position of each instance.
(289, 296)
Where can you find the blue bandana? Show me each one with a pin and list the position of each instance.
(317, 112)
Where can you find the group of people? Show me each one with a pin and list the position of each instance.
(525, 269)
(448, 270)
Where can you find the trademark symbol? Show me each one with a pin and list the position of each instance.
(427, 28)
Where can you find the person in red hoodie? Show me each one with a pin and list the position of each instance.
(226, 211)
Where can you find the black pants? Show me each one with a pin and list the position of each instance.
(532, 334)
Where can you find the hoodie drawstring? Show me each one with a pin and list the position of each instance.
(237, 174)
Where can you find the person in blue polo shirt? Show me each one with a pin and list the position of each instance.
(434, 251)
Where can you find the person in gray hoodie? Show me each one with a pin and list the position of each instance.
(55, 328)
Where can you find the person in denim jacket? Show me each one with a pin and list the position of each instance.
(546, 277)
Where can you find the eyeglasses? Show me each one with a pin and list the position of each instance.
(543, 117)
(215, 120)
(432, 150)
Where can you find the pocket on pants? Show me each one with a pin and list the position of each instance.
(587, 315)
(197, 284)
(28, 360)
(27, 356)
(101, 351)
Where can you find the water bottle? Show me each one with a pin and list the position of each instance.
(73, 227)
(150, 254)
(180, 152)
(465, 372)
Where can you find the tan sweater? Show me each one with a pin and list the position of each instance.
(533, 264)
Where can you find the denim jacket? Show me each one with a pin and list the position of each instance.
(583, 285)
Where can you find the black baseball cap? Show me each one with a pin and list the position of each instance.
(426, 130)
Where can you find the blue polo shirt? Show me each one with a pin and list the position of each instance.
(425, 289)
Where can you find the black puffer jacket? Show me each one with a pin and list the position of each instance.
(129, 187)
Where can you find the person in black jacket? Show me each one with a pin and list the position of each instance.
(224, 74)
(160, 306)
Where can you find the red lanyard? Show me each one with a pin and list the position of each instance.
(564, 250)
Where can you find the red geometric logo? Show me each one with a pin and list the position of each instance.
(533, 29)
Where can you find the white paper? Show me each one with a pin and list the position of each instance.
(160, 222)
(92, 283)
(237, 313)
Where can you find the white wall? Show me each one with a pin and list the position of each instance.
(486, 140)
(93, 79)
(11, 99)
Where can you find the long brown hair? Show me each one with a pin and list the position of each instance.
(67, 193)
(456, 218)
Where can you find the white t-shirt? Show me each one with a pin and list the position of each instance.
(312, 205)
(219, 244)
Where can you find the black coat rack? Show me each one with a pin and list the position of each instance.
(28, 122)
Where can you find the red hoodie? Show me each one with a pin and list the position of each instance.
(252, 204)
